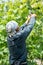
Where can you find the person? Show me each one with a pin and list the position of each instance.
(16, 40)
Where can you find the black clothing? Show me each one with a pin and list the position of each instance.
(16, 43)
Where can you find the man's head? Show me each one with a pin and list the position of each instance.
(12, 27)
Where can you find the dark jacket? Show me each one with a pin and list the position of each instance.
(16, 43)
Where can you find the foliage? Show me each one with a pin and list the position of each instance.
(18, 11)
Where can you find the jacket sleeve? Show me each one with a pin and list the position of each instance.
(23, 26)
(27, 28)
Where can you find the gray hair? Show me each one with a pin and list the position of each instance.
(11, 26)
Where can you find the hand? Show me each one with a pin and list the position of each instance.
(29, 17)
(33, 15)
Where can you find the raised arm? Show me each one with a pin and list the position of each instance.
(28, 20)
(28, 26)
(25, 24)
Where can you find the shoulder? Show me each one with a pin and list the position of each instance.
(8, 38)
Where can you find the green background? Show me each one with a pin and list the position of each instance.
(18, 11)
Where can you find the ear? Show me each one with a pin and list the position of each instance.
(17, 29)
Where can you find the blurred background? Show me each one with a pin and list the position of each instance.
(18, 10)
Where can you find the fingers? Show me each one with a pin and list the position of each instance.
(33, 15)
(29, 17)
